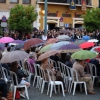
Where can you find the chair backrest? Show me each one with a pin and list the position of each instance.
(54, 63)
(74, 75)
(14, 78)
(93, 69)
(36, 67)
(50, 75)
(60, 66)
(4, 73)
(42, 73)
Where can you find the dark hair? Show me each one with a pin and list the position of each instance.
(8, 49)
(63, 55)
(33, 49)
(28, 51)
(79, 60)
(68, 57)
(0, 55)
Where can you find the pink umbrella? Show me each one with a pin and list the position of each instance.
(6, 40)
(51, 41)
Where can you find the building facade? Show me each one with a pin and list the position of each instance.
(60, 9)
(6, 5)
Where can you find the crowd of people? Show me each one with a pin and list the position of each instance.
(65, 58)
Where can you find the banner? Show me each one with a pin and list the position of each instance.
(73, 4)
(83, 4)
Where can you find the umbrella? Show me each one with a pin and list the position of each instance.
(56, 46)
(14, 56)
(47, 54)
(32, 42)
(83, 54)
(17, 41)
(63, 37)
(93, 49)
(93, 40)
(86, 38)
(86, 45)
(78, 42)
(6, 40)
(2, 46)
(69, 48)
(97, 49)
(51, 41)
(46, 48)
(35, 29)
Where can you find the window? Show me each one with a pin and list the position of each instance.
(14, 1)
(66, 15)
(78, 1)
(88, 2)
(52, 14)
(26, 1)
(2, 1)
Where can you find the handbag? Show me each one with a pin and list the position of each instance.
(17, 96)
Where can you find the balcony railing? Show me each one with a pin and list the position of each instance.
(88, 2)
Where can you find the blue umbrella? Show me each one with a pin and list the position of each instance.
(17, 41)
(86, 38)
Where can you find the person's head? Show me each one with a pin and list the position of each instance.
(44, 60)
(33, 49)
(68, 57)
(31, 55)
(28, 51)
(81, 62)
(0, 55)
(63, 55)
(8, 49)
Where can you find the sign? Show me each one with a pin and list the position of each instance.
(61, 19)
(61, 24)
(3, 24)
(83, 4)
(4, 19)
(72, 4)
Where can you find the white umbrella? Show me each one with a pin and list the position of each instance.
(93, 40)
(93, 49)
(63, 37)
(13, 56)
(56, 46)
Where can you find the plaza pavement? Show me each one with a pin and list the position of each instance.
(35, 94)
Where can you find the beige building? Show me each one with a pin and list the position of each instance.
(61, 9)
(56, 10)
(6, 5)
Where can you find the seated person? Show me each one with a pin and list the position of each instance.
(57, 76)
(31, 61)
(68, 61)
(3, 89)
(79, 67)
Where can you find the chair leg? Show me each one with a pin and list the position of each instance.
(85, 88)
(48, 89)
(26, 92)
(14, 92)
(34, 80)
(81, 87)
(62, 90)
(42, 87)
(51, 90)
(55, 89)
(37, 84)
(93, 79)
(58, 88)
(71, 87)
(74, 88)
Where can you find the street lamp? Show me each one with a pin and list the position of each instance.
(45, 18)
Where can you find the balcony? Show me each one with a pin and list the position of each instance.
(65, 2)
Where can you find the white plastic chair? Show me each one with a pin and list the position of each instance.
(75, 81)
(93, 75)
(16, 85)
(43, 79)
(36, 66)
(53, 83)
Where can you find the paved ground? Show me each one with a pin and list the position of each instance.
(35, 94)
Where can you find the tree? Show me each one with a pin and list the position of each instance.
(21, 18)
(92, 19)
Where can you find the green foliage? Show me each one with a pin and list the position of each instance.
(21, 18)
(92, 19)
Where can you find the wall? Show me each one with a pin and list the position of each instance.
(62, 9)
